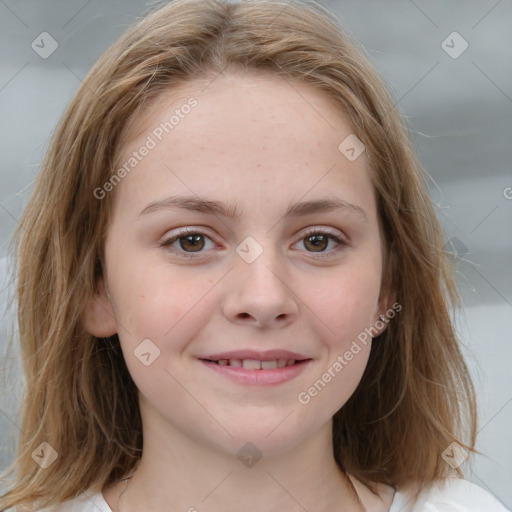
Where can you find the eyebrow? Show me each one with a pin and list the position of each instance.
(210, 207)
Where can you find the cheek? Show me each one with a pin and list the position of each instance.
(347, 301)
(339, 378)
(166, 306)
(345, 304)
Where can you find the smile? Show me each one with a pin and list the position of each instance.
(255, 368)
(255, 364)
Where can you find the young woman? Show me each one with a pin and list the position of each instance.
(232, 288)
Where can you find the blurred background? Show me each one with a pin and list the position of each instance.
(448, 64)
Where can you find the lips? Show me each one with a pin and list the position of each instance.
(254, 360)
(255, 368)
(256, 364)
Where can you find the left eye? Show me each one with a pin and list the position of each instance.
(318, 240)
(192, 243)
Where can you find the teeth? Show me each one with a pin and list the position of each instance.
(254, 364)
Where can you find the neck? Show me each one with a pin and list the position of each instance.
(184, 475)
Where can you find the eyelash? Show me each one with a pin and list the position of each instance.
(312, 232)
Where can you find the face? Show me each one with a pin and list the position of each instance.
(232, 287)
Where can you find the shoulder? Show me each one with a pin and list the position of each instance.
(91, 501)
(450, 495)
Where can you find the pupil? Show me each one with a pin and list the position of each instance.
(193, 240)
(319, 241)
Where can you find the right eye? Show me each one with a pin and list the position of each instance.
(189, 242)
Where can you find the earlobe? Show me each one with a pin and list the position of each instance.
(98, 317)
(385, 312)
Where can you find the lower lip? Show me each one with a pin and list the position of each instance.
(258, 377)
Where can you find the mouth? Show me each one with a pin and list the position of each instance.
(257, 368)
(255, 364)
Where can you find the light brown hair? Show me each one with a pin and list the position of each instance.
(415, 397)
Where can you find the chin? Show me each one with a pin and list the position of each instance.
(272, 435)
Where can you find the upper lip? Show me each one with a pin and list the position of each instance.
(268, 355)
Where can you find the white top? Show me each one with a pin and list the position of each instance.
(456, 495)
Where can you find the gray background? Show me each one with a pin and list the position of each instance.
(460, 113)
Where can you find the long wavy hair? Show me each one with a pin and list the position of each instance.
(415, 397)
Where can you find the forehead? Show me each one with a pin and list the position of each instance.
(253, 97)
(246, 132)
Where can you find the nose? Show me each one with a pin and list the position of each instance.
(260, 293)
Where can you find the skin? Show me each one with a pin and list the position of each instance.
(256, 142)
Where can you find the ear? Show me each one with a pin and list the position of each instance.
(98, 317)
(386, 309)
